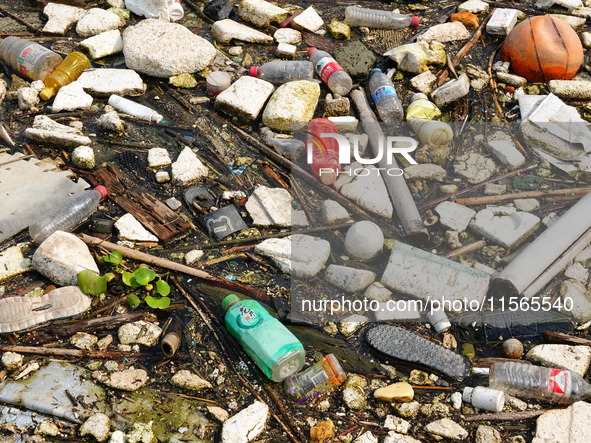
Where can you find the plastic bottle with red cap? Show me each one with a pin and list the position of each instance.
(323, 152)
(331, 73)
(69, 214)
(373, 18)
(283, 71)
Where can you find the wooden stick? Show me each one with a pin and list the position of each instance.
(465, 249)
(504, 416)
(529, 194)
(79, 353)
(16, 160)
(565, 338)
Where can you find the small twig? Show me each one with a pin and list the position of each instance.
(565, 338)
(576, 192)
(465, 249)
(504, 416)
(16, 160)
(79, 353)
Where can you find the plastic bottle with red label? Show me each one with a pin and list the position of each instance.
(323, 152)
(545, 384)
(331, 73)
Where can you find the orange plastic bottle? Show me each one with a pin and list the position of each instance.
(66, 72)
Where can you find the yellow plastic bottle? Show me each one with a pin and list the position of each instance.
(421, 114)
(66, 72)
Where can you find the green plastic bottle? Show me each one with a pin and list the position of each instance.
(265, 339)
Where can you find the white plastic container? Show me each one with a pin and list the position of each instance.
(484, 398)
(27, 58)
(331, 73)
(364, 240)
(373, 18)
(502, 21)
(135, 109)
(439, 320)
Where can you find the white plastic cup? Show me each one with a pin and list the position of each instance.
(484, 398)
(217, 82)
(364, 240)
(135, 109)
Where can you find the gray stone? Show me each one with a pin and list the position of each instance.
(526, 204)
(158, 158)
(479, 79)
(97, 426)
(473, 6)
(511, 79)
(408, 410)
(569, 5)
(45, 130)
(494, 189)
(454, 216)
(291, 106)
(424, 82)
(308, 20)
(236, 50)
(504, 225)
(141, 433)
(140, 332)
(103, 44)
(152, 47)
(83, 157)
(227, 30)
(260, 12)
(446, 32)
(333, 213)
(28, 99)
(48, 428)
(487, 434)
(271, 207)
(564, 425)
(61, 257)
(349, 279)
(571, 89)
(173, 203)
(446, 428)
(245, 98)
(187, 169)
(285, 50)
(515, 403)
(97, 20)
(368, 191)
(503, 148)
(71, 97)
(129, 380)
(354, 392)
(475, 168)
(448, 189)
(355, 58)
(104, 82)
(302, 256)
(395, 437)
(453, 239)
(451, 91)
(366, 437)
(377, 291)
(586, 39)
(288, 35)
(193, 256)
(61, 17)
(187, 380)
(246, 425)
(577, 272)
(131, 229)
(417, 57)
(84, 341)
(110, 122)
(574, 358)
(424, 172)
(581, 299)
(396, 424)
(12, 361)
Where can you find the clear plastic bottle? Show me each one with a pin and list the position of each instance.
(68, 215)
(280, 71)
(29, 59)
(288, 147)
(65, 73)
(315, 380)
(275, 350)
(135, 109)
(373, 18)
(385, 97)
(546, 384)
(331, 73)
(421, 114)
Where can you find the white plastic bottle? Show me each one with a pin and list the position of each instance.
(135, 109)
(29, 59)
(373, 18)
(331, 73)
(280, 71)
(68, 215)
(175, 10)
(385, 97)
(421, 114)
(546, 384)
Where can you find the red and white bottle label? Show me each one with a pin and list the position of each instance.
(560, 382)
(326, 66)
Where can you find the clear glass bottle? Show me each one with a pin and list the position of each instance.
(331, 73)
(546, 384)
(373, 18)
(275, 350)
(385, 97)
(315, 380)
(67, 215)
(135, 109)
(65, 73)
(280, 71)
(30, 59)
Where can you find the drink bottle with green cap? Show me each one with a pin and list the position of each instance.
(275, 350)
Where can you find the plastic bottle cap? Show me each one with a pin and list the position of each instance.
(102, 190)
(310, 50)
(439, 320)
(254, 71)
(414, 21)
(229, 301)
(46, 94)
(374, 70)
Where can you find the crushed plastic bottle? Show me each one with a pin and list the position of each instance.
(331, 73)
(30, 59)
(288, 147)
(65, 73)
(169, 10)
(421, 114)
(385, 97)
(546, 384)
(373, 18)
(323, 152)
(67, 215)
(315, 380)
(135, 109)
(280, 71)
(275, 350)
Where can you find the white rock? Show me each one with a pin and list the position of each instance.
(454, 216)
(494, 189)
(98, 426)
(219, 413)
(45, 130)
(503, 148)
(140, 332)
(377, 291)
(173, 203)
(103, 44)
(260, 12)
(574, 358)
(504, 226)
(246, 425)
(573, 22)
(526, 204)
(475, 168)
(187, 380)
(13, 261)
(586, 39)
(28, 98)
(569, 5)
(127, 380)
(302, 256)
(446, 428)
(245, 98)
(456, 400)
(451, 91)
(446, 32)
(424, 172)
(564, 425)
(193, 256)
(367, 189)
(48, 428)
(574, 290)
(292, 106)
(152, 47)
(162, 177)
(131, 229)
(288, 35)
(104, 82)
(61, 17)
(97, 20)
(224, 31)
(71, 97)
(571, 89)
(511, 79)
(141, 433)
(487, 434)
(236, 50)
(473, 6)
(308, 20)
(83, 157)
(515, 403)
(396, 424)
(577, 272)
(333, 213)
(286, 50)
(61, 257)
(366, 437)
(270, 207)
(187, 169)
(83, 340)
(110, 122)
(12, 361)
(416, 57)
(158, 158)
(117, 437)
(424, 82)
(395, 437)
(349, 279)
